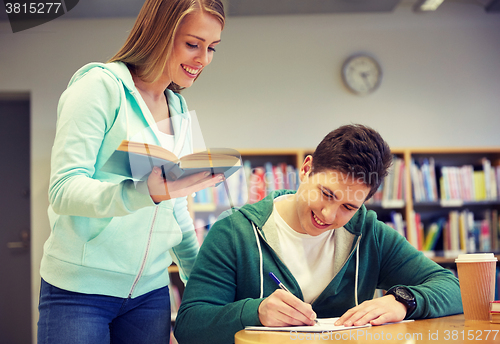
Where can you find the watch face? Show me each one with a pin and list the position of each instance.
(362, 74)
(402, 293)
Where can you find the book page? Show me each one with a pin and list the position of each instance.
(147, 149)
(216, 157)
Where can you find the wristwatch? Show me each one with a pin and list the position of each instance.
(405, 296)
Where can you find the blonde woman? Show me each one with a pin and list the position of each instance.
(104, 269)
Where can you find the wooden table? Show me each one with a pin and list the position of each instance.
(452, 329)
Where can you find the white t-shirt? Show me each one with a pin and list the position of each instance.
(309, 258)
(166, 140)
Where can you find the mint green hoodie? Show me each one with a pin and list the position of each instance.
(107, 236)
(231, 274)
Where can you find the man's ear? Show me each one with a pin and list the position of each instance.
(306, 168)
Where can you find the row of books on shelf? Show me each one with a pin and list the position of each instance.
(250, 185)
(456, 183)
(460, 232)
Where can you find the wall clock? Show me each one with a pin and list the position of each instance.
(361, 74)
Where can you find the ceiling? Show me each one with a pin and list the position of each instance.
(130, 8)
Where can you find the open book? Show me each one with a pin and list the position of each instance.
(136, 160)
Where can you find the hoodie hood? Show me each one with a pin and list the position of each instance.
(117, 70)
(120, 72)
(258, 213)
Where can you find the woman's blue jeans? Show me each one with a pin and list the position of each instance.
(69, 317)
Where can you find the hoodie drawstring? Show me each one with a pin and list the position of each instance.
(356, 276)
(261, 262)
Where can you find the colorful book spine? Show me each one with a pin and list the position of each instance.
(257, 185)
(433, 234)
(412, 231)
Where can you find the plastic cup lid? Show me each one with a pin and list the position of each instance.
(476, 258)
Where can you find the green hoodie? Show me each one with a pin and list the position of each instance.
(224, 290)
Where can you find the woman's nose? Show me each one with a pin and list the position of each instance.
(203, 58)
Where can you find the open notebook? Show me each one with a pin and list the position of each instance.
(322, 325)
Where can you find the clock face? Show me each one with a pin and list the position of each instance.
(361, 74)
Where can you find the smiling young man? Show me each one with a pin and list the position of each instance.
(323, 244)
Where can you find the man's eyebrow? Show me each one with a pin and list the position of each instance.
(332, 194)
(328, 191)
(202, 39)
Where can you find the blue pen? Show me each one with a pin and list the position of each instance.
(278, 282)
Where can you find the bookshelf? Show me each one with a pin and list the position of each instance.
(466, 204)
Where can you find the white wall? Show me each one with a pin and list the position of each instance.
(275, 82)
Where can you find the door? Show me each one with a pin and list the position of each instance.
(15, 260)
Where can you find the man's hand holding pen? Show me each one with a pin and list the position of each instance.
(282, 308)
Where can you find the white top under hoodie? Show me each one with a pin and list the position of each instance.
(309, 258)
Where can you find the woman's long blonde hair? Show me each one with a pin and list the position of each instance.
(150, 43)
